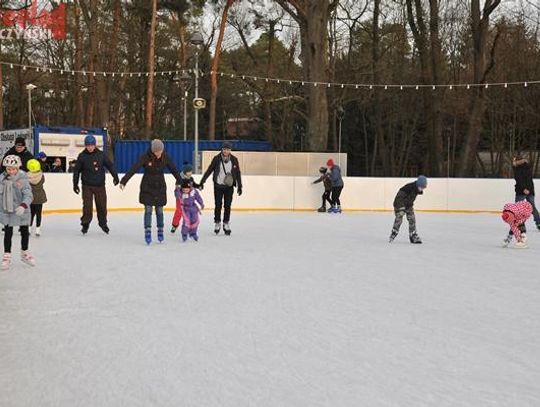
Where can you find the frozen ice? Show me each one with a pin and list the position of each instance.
(293, 309)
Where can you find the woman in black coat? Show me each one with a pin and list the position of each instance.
(153, 190)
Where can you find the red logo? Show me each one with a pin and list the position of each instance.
(29, 23)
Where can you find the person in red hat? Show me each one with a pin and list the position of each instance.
(337, 186)
(516, 214)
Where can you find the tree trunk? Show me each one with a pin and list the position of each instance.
(151, 67)
(79, 104)
(214, 69)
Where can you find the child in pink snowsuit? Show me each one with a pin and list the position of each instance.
(192, 204)
(515, 214)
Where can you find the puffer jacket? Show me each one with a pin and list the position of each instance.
(37, 179)
(22, 194)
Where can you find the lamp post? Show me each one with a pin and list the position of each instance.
(340, 113)
(48, 95)
(30, 87)
(197, 40)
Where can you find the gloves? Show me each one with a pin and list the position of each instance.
(115, 181)
(76, 189)
(201, 186)
(239, 191)
(20, 210)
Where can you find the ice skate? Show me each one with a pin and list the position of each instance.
(84, 229)
(27, 258)
(338, 209)
(105, 229)
(322, 209)
(521, 245)
(148, 236)
(393, 235)
(173, 229)
(414, 238)
(38, 231)
(160, 235)
(194, 236)
(227, 229)
(6, 261)
(332, 209)
(217, 228)
(507, 241)
(184, 237)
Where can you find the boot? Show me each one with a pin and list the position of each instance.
(27, 258)
(414, 238)
(6, 261)
(148, 236)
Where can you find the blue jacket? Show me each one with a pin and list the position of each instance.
(335, 176)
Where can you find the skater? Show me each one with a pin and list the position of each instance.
(90, 166)
(185, 175)
(516, 214)
(525, 185)
(325, 179)
(337, 186)
(15, 200)
(153, 189)
(226, 176)
(192, 205)
(403, 205)
(36, 179)
(20, 150)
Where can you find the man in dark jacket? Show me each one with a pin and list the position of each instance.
(226, 176)
(91, 164)
(20, 150)
(403, 205)
(525, 185)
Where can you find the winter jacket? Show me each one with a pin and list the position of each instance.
(406, 196)
(22, 195)
(335, 176)
(524, 178)
(325, 179)
(215, 168)
(522, 210)
(37, 179)
(153, 190)
(191, 199)
(91, 167)
(24, 155)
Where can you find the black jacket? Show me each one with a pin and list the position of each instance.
(153, 187)
(91, 166)
(406, 196)
(25, 156)
(524, 179)
(215, 165)
(325, 179)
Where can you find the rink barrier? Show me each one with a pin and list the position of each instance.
(286, 193)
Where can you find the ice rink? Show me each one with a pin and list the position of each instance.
(292, 310)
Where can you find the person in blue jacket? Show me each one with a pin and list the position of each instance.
(337, 186)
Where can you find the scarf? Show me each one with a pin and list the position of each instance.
(7, 204)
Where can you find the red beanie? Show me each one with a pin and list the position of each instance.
(507, 216)
(330, 163)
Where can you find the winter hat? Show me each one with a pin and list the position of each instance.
(157, 145)
(508, 216)
(185, 184)
(33, 165)
(89, 140)
(20, 141)
(421, 182)
(41, 155)
(226, 146)
(12, 161)
(187, 168)
(322, 170)
(330, 163)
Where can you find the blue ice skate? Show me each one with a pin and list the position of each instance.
(194, 236)
(147, 235)
(184, 237)
(160, 235)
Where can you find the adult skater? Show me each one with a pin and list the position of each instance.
(337, 186)
(226, 176)
(404, 205)
(20, 150)
(90, 166)
(525, 185)
(153, 189)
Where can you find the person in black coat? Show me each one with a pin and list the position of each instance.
(525, 185)
(226, 176)
(90, 166)
(403, 205)
(20, 150)
(153, 190)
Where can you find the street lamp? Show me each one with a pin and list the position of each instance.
(340, 113)
(197, 40)
(30, 87)
(48, 95)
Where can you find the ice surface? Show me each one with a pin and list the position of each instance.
(293, 309)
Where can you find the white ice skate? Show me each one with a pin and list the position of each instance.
(6, 261)
(38, 231)
(27, 258)
(521, 245)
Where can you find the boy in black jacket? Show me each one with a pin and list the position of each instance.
(327, 182)
(403, 205)
(525, 185)
(91, 164)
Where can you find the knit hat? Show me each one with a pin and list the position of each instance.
(20, 141)
(330, 163)
(41, 155)
(421, 182)
(226, 146)
(187, 168)
(323, 170)
(508, 216)
(89, 140)
(157, 146)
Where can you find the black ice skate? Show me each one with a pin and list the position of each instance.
(105, 229)
(393, 235)
(227, 229)
(415, 239)
(322, 209)
(84, 229)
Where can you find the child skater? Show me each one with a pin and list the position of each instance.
(403, 205)
(325, 179)
(192, 204)
(185, 175)
(516, 214)
(15, 200)
(37, 179)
